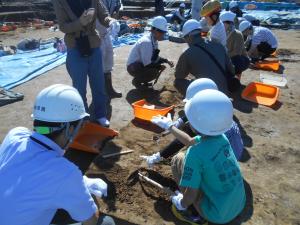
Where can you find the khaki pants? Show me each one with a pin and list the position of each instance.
(177, 166)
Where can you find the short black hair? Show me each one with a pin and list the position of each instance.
(154, 28)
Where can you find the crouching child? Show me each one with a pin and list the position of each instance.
(208, 174)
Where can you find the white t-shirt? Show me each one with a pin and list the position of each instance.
(262, 34)
(218, 33)
(36, 181)
(142, 50)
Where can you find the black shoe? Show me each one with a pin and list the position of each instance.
(109, 87)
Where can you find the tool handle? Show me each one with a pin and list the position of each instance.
(154, 183)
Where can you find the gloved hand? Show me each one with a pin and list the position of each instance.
(114, 26)
(162, 121)
(152, 159)
(176, 200)
(178, 123)
(96, 186)
(87, 17)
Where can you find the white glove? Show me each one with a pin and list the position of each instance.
(86, 17)
(176, 200)
(114, 28)
(96, 186)
(162, 121)
(178, 123)
(152, 159)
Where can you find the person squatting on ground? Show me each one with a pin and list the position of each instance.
(208, 174)
(107, 47)
(233, 134)
(36, 180)
(196, 61)
(235, 44)
(144, 62)
(77, 19)
(178, 17)
(211, 11)
(260, 41)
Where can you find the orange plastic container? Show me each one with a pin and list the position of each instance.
(268, 65)
(145, 111)
(90, 137)
(260, 93)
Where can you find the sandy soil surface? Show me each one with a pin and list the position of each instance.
(271, 163)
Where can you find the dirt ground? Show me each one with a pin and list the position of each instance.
(270, 165)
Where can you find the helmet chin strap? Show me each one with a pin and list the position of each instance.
(70, 136)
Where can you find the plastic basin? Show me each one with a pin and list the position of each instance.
(145, 111)
(260, 93)
(90, 136)
(268, 65)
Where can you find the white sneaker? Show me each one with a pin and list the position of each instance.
(103, 121)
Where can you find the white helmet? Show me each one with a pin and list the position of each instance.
(244, 26)
(210, 112)
(190, 26)
(199, 85)
(59, 103)
(233, 4)
(227, 16)
(182, 5)
(160, 23)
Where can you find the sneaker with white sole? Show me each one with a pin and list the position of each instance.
(103, 121)
(187, 217)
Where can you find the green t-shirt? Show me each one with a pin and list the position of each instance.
(210, 166)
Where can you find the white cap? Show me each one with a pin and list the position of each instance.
(199, 85)
(233, 4)
(244, 26)
(182, 5)
(160, 23)
(227, 16)
(190, 26)
(249, 17)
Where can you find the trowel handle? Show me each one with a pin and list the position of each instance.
(154, 183)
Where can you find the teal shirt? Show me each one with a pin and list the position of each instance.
(211, 167)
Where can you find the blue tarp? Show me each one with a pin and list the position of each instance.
(266, 5)
(24, 66)
(290, 19)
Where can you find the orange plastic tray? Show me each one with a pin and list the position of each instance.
(145, 111)
(90, 137)
(268, 65)
(260, 93)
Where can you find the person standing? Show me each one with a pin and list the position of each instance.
(37, 182)
(106, 46)
(77, 19)
(159, 7)
(196, 7)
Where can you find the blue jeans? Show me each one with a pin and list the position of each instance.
(79, 68)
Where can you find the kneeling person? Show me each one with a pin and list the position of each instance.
(144, 63)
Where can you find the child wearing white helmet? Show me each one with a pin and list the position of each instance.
(211, 11)
(208, 175)
(233, 134)
(235, 44)
(260, 40)
(36, 177)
